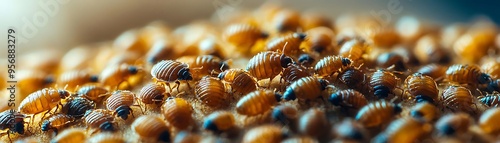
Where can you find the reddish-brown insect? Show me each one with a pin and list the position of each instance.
(13, 121)
(257, 102)
(404, 130)
(211, 91)
(267, 64)
(73, 135)
(313, 123)
(330, 65)
(178, 113)
(286, 20)
(119, 102)
(433, 70)
(424, 111)
(493, 86)
(31, 81)
(294, 72)
(429, 50)
(488, 121)
(466, 74)
(152, 93)
(170, 71)
(353, 78)
(348, 98)
(383, 83)
(306, 60)
(353, 50)
(99, 119)
(72, 79)
(243, 36)
(288, 44)
(285, 114)
(42, 100)
(57, 122)
(264, 133)
(377, 113)
(151, 127)
(114, 76)
(219, 121)
(421, 88)
(391, 60)
(305, 88)
(454, 124)
(77, 107)
(204, 65)
(457, 98)
(319, 40)
(491, 100)
(93, 92)
(240, 81)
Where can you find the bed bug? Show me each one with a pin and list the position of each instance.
(433, 70)
(257, 102)
(424, 111)
(107, 138)
(313, 122)
(382, 83)
(305, 88)
(285, 114)
(492, 68)
(75, 78)
(42, 100)
(286, 20)
(204, 65)
(99, 119)
(454, 124)
(178, 113)
(73, 135)
(466, 74)
(240, 81)
(306, 60)
(267, 64)
(330, 65)
(294, 72)
(404, 130)
(353, 50)
(151, 127)
(187, 137)
(319, 39)
(114, 76)
(170, 71)
(243, 36)
(288, 44)
(120, 102)
(353, 78)
(350, 130)
(77, 107)
(264, 133)
(457, 98)
(421, 88)
(13, 121)
(57, 122)
(429, 50)
(152, 93)
(31, 81)
(348, 98)
(391, 60)
(211, 91)
(219, 121)
(93, 92)
(491, 100)
(377, 113)
(493, 86)
(161, 50)
(488, 121)
(300, 139)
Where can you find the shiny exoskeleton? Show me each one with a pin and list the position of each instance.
(290, 43)
(424, 111)
(72, 79)
(306, 60)
(391, 60)
(382, 83)
(320, 40)
(466, 74)
(454, 124)
(204, 65)
(353, 50)
(353, 78)
(211, 91)
(99, 119)
(13, 121)
(348, 98)
(264, 133)
(377, 113)
(114, 76)
(152, 93)
(257, 102)
(240, 81)
(294, 72)
(92, 92)
(119, 102)
(457, 98)
(404, 130)
(42, 100)
(267, 64)
(57, 122)
(350, 130)
(313, 123)
(330, 65)
(421, 88)
(151, 127)
(178, 113)
(493, 86)
(219, 121)
(243, 36)
(433, 70)
(77, 107)
(286, 20)
(170, 71)
(488, 121)
(305, 88)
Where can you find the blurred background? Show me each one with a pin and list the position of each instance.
(64, 24)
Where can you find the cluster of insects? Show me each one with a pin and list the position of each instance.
(268, 75)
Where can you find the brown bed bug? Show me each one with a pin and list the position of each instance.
(382, 83)
(377, 113)
(286, 20)
(319, 39)
(305, 88)
(294, 72)
(152, 93)
(119, 102)
(240, 81)
(391, 60)
(77, 107)
(267, 65)
(492, 68)
(42, 100)
(306, 60)
(404, 130)
(424, 111)
(31, 81)
(151, 127)
(433, 70)
(353, 50)
(71, 80)
(257, 102)
(428, 50)
(170, 71)
(219, 121)
(421, 88)
(57, 122)
(348, 98)
(349, 129)
(178, 113)
(300, 139)
(211, 91)
(13, 121)
(72, 135)
(264, 133)
(466, 74)
(454, 124)
(288, 44)
(243, 35)
(493, 86)
(107, 138)
(114, 76)
(353, 78)
(187, 137)
(488, 121)
(330, 65)
(99, 119)
(313, 123)
(285, 114)
(491, 100)
(93, 92)
(204, 65)
(457, 98)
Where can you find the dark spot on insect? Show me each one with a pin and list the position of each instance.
(323, 83)
(447, 130)
(264, 35)
(123, 112)
(277, 115)
(209, 125)
(94, 78)
(416, 114)
(493, 86)
(48, 80)
(278, 97)
(423, 98)
(397, 108)
(285, 60)
(484, 78)
(335, 99)
(289, 95)
(346, 61)
(133, 69)
(301, 36)
(107, 126)
(164, 137)
(185, 75)
(381, 91)
(305, 59)
(45, 125)
(221, 75)
(63, 94)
